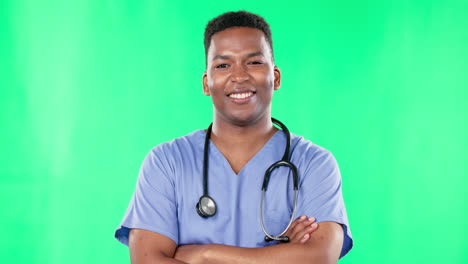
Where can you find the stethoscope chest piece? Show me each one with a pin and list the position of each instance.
(206, 206)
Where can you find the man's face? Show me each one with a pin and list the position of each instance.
(240, 75)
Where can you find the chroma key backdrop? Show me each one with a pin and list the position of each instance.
(87, 88)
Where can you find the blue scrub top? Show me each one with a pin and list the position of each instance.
(170, 184)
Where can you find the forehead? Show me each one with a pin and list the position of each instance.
(238, 40)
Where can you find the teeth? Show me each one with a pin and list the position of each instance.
(240, 95)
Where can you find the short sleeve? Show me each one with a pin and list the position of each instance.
(153, 205)
(322, 195)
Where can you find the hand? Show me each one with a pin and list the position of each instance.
(300, 229)
(192, 254)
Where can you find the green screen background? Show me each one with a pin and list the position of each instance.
(87, 88)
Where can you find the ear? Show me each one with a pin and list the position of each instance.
(277, 81)
(206, 90)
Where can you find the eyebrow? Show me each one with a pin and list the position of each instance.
(254, 54)
(226, 57)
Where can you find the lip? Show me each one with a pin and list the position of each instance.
(242, 100)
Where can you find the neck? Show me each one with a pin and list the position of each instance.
(242, 136)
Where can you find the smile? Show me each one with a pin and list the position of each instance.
(241, 95)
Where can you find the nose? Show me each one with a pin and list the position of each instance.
(239, 74)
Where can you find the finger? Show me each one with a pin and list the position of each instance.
(305, 238)
(314, 226)
(306, 227)
(310, 229)
(295, 222)
(311, 219)
(307, 230)
(298, 220)
(300, 226)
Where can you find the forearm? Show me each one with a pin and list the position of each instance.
(160, 260)
(282, 253)
(166, 260)
(323, 246)
(153, 258)
(147, 247)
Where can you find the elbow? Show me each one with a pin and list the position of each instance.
(323, 259)
(322, 256)
(328, 259)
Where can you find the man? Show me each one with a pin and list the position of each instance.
(162, 224)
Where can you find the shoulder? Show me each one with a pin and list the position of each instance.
(312, 158)
(182, 144)
(168, 155)
(306, 149)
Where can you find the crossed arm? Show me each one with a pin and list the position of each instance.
(310, 243)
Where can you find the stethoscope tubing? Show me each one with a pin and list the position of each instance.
(206, 207)
(279, 237)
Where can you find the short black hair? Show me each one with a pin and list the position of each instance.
(236, 19)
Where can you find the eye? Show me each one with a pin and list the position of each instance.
(256, 62)
(221, 66)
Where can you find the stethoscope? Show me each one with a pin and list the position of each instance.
(206, 206)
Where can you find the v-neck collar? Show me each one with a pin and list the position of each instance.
(217, 153)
